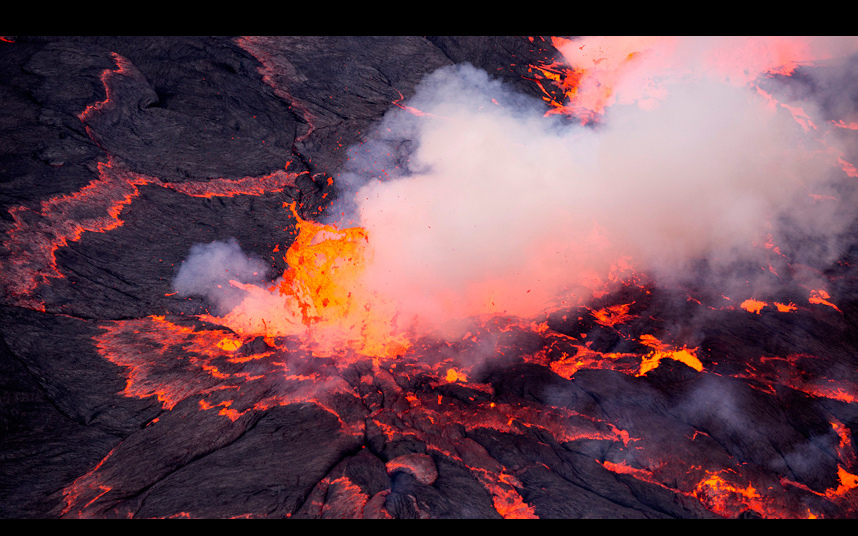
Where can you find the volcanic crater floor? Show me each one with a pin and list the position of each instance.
(121, 399)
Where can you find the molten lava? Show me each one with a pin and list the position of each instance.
(752, 306)
(821, 296)
(613, 314)
(321, 297)
(600, 71)
(663, 351)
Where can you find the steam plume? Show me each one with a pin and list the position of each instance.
(475, 201)
(485, 205)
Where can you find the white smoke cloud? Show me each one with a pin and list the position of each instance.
(476, 202)
(486, 205)
(209, 268)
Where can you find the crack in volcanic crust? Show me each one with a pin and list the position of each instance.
(407, 397)
(613, 398)
(35, 236)
(410, 399)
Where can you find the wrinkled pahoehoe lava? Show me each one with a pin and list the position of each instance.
(728, 391)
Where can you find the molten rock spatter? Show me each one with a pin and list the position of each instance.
(321, 298)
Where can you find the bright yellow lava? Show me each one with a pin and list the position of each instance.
(321, 297)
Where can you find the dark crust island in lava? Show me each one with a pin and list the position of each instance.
(118, 154)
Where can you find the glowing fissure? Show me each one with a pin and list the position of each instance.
(173, 362)
(566, 355)
(338, 498)
(730, 492)
(84, 485)
(492, 475)
(728, 499)
(613, 314)
(122, 68)
(790, 371)
(427, 415)
(409, 109)
(845, 449)
(35, 236)
(256, 47)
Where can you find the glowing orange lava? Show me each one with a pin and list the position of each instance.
(454, 375)
(729, 499)
(663, 351)
(321, 300)
(752, 305)
(321, 297)
(786, 307)
(613, 315)
(174, 361)
(821, 297)
(566, 355)
(848, 482)
(601, 71)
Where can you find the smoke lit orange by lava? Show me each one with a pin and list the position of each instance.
(505, 211)
(603, 71)
(321, 297)
(501, 210)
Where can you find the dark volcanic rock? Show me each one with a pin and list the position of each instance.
(43, 448)
(176, 108)
(59, 354)
(267, 472)
(339, 85)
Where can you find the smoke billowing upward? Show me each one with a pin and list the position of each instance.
(476, 202)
